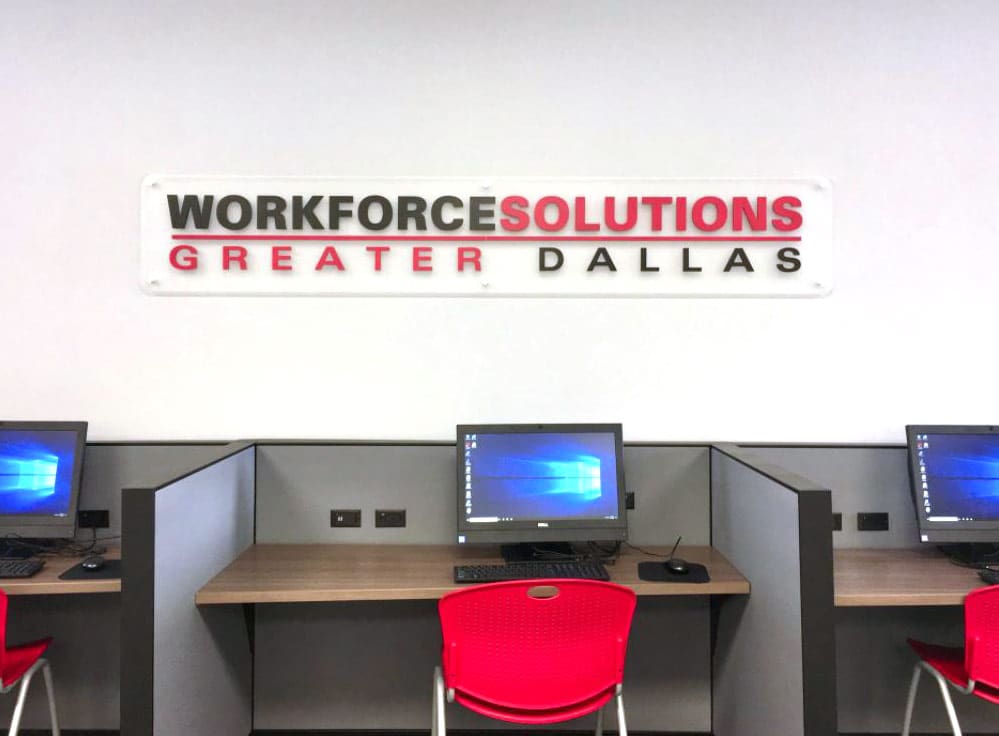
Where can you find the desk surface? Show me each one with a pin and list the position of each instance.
(46, 581)
(900, 577)
(291, 573)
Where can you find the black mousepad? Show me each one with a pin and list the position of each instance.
(110, 571)
(657, 572)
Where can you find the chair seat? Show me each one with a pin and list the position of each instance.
(949, 662)
(534, 717)
(19, 659)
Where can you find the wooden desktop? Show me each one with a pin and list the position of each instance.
(301, 573)
(912, 576)
(47, 582)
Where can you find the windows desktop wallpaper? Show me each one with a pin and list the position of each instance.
(36, 471)
(541, 476)
(962, 475)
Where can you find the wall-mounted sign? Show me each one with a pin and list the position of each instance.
(499, 237)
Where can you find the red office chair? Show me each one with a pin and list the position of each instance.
(972, 670)
(19, 664)
(534, 651)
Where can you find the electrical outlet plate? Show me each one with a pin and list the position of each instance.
(837, 521)
(629, 500)
(345, 517)
(872, 521)
(93, 519)
(390, 517)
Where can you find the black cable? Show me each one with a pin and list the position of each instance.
(646, 552)
(604, 555)
(57, 547)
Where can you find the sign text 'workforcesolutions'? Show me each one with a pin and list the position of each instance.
(499, 237)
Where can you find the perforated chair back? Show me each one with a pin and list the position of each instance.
(3, 634)
(537, 646)
(981, 633)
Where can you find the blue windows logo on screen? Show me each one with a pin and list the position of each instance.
(512, 477)
(36, 472)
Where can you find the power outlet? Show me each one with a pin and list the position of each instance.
(390, 517)
(871, 521)
(93, 519)
(629, 500)
(837, 521)
(345, 517)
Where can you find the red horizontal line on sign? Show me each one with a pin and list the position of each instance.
(510, 238)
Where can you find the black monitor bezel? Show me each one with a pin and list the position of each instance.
(46, 526)
(564, 530)
(946, 532)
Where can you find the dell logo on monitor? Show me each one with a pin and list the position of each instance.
(542, 524)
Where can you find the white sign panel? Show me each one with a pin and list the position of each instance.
(490, 237)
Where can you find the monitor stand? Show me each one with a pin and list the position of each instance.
(972, 554)
(530, 551)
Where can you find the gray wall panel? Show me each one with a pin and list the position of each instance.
(875, 665)
(297, 485)
(369, 665)
(758, 676)
(202, 669)
(671, 494)
(861, 479)
(109, 468)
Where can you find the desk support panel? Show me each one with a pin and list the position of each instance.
(184, 669)
(774, 664)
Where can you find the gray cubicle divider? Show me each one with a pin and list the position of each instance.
(774, 664)
(186, 670)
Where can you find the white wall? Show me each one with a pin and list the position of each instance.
(893, 101)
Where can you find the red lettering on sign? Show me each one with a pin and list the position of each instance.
(422, 256)
(184, 257)
(787, 217)
(233, 254)
(376, 251)
(562, 213)
(329, 257)
(281, 258)
(516, 218)
(469, 255)
(581, 224)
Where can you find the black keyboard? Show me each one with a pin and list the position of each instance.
(586, 569)
(20, 568)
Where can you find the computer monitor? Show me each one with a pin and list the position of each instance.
(954, 476)
(530, 484)
(41, 466)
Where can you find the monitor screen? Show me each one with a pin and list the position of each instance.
(40, 471)
(535, 483)
(954, 475)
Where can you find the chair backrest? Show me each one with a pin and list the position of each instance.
(535, 644)
(3, 631)
(981, 634)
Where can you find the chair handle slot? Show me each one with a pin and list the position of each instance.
(541, 592)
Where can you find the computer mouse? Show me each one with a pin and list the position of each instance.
(677, 566)
(990, 575)
(94, 562)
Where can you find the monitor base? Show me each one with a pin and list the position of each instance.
(528, 551)
(972, 554)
